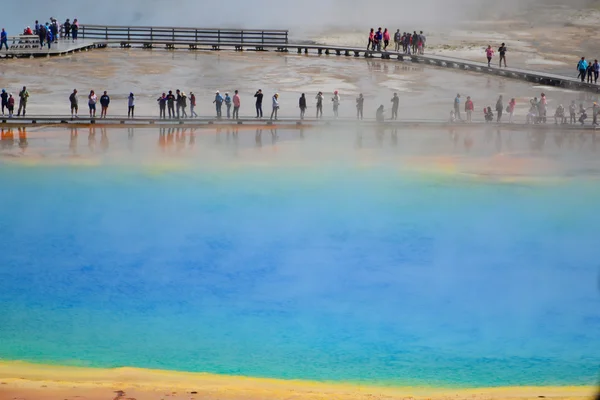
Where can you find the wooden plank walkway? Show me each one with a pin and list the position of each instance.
(67, 121)
(29, 46)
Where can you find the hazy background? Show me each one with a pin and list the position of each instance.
(295, 15)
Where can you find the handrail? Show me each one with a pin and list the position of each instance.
(93, 26)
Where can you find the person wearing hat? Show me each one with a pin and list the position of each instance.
(275, 106)
(131, 105)
(218, 102)
(4, 97)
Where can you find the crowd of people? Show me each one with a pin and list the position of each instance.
(48, 33)
(380, 40)
(588, 70)
(537, 112)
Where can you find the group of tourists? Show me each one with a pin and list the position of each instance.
(588, 70)
(489, 53)
(8, 102)
(50, 32)
(104, 104)
(380, 40)
(537, 113)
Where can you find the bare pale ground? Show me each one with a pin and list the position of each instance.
(25, 381)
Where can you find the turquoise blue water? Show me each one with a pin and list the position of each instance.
(337, 274)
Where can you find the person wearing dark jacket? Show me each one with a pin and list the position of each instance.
(302, 105)
(67, 29)
(104, 102)
(171, 104)
(259, 99)
(499, 109)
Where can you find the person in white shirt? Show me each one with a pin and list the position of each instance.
(92, 100)
(336, 103)
(275, 106)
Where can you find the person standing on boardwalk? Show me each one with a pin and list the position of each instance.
(320, 99)
(582, 68)
(130, 105)
(395, 104)
(415, 42)
(67, 29)
(23, 97)
(218, 102)
(49, 36)
(193, 105)
(378, 39)
(4, 97)
(275, 106)
(104, 102)
(183, 105)
(74, 29)
(542, 106)
(162, 106)
(457, 107)
(499, 109)
(336, 103)
(469, 107)
(73, 99)
(502, 52)
(511, 109)
(11, 105)
(302, 105)
(228, 104)
(4, 39)
(596, 70)
(259, 99)
(41, 32)
(236, 105)
(423, 40)
(397, 39)
(371, 42)
(360, 102)
(92, 100)
(171, 104)
(178, 102)
(590, 73)
(489, 52)
(386, 38)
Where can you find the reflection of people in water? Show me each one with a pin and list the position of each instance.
(103, 140)
(258, 138)
(498, 141)
(170, 139)
(274, 136)
(559, 139)
(359, 139)
(7, 139)
(468, 142)
(23, 143)
(395, 137)
(180, 138)
(379, 134)
(537, 141)
(73, 141)
(162, 139)
(130, 139)
(92, 139)
(192, 137)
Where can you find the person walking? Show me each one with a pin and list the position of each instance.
(489, 52)
(67, 29)
(397, 38)
(162, 106)
(596, 70)
(378, 39)
(184, 100)
(228, 105)
(423, 39)
(499, 109)
(275, 106)
(236, 105)
(414, 41)
(360, 102)
(336, 103)
(370, 43)
(469, 107)
(4, 97)
(218, 102)
(582, 68)
(73, 99)
(457, 107)
(104, 102)
(49, 36)
(511, 109)
(74, 29)
(92, 100)
(502, 52)
(23, 97)
(131, 105)
(178, 102)
(395, 104)
(590, 73)
(193, 105)
(386, 38)
(259, 99)
(302, 105)
(320, 99)
(3, 39)
(41, 32)
(171, 104)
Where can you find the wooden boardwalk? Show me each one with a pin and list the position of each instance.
(207, 122)
(29, 46)
(173, 38)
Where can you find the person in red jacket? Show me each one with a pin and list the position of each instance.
(469, 107)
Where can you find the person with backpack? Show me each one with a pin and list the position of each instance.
(502, 52)
(582, 68)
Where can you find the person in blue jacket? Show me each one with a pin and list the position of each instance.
(218, 103)
(582, 68)
(3, 39)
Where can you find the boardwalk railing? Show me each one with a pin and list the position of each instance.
(191, 36)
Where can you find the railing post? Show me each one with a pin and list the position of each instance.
(128, 33)
(196, 35)
(82, 32)
(151, 35)
(242, 37)
(106, 32)
(286, 37)
(219, 36)
(173, 34)
(263, 37)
